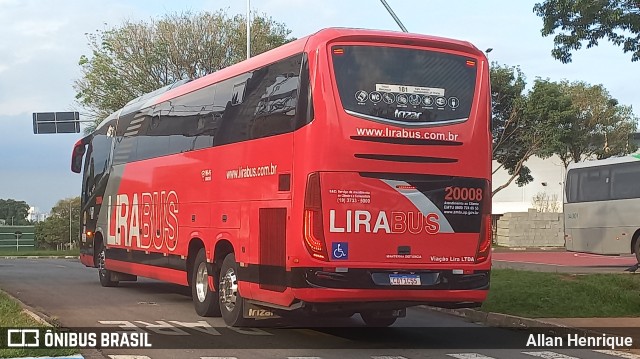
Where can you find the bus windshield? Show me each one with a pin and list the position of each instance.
(404, 85)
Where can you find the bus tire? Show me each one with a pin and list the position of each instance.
(372, 320)
(103, 273)
(205, 300)
(636, 249)
(231, 302)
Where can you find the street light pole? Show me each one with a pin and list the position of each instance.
(394, 16)
(248, 29)
(69, 225)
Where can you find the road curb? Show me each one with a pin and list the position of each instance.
(497, 319)
(37, 316)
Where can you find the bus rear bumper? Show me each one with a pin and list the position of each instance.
(382, 280)
(331, 302)
(437, 298)
(441, 288)
(87, 260)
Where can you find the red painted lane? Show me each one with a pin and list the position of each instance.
(569, 259)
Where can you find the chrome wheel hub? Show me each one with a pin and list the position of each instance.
(101, 267)
(229, 290)
(202, 282)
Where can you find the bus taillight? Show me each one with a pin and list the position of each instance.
(486, 234)
(484, 242)
(313, 231)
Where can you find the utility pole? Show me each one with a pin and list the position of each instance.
(69, 224)
(248, 29)
(393, 15)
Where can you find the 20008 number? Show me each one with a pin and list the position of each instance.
(462, 194)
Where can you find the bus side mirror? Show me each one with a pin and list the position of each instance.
(76, 157)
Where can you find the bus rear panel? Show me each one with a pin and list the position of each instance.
(396, 207)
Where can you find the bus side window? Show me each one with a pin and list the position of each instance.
(151, 143)
(259, 104)
(572, 186)
(594, 185)
(625, 181)
(126, 140)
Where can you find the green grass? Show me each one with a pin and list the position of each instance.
(39, 252)
(11, 316)
(555, 295)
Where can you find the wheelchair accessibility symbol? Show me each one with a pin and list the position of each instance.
(340, 250)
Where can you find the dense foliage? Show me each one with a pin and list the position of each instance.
(53, 233)
(139, 57)
(575, 121)
(589, 21)
(14, 212)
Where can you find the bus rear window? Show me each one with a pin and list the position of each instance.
(404, 86)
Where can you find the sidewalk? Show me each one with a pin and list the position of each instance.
(561, 261)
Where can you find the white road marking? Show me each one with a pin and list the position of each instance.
(549, 355)
(469, 356)
(619, 354)
(129, 357)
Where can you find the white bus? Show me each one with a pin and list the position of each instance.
(602, 206)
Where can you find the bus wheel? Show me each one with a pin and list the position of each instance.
(373, 320)
(103, 272)
(636, 250)
(231, 303)
(204, 299)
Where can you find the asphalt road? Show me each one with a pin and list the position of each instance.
(69, 293)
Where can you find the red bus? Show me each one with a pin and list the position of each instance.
(344, 172)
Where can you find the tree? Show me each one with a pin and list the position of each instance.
(507, 99)
(54, 231)
(14, 212)
(598, 127)
(535, 130)
(523, 125)
(587, 20)
(139, 57)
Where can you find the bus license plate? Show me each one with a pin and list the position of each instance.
(404, 279)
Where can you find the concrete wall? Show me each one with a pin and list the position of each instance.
(530, 229)
(548, 177)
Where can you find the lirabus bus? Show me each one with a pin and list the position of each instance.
(601, 206)
(344, 172)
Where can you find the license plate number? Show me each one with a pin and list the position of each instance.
(404, 279)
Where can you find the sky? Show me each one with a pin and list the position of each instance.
(42, 41)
